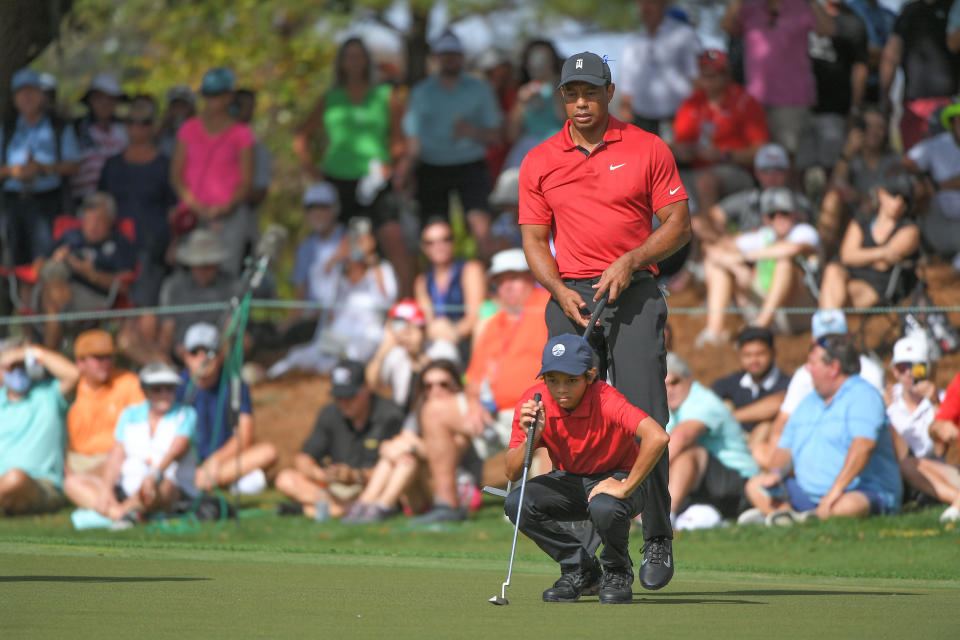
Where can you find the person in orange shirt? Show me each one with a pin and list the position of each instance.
(506, 358)
(102, 394)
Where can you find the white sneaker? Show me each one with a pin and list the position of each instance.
(707, 338)
(788, 518)
(751, 516)
(950, 514)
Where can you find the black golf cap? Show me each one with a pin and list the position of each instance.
(585, 67)
(347, 378)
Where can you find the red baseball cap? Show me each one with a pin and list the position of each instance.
(408, 309)
(714, 59)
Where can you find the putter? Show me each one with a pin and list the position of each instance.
(597, 310)
(502, 598)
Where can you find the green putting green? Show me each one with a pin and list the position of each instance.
(269, 577)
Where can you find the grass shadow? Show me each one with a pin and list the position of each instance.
(88, 579)
(643, 598)
(786, 592)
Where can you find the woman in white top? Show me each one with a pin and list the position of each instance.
(911, 409)
(151, 464)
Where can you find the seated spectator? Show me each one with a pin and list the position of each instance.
(873, 247)
(709, 458)
(181, 106)
(139, 181)
(100, 133)
(365, 287)
(38, 152)
(204, 281)
(717, 132)
(404, 352)
(865, 161)
(912, 406)
(451, 290)
(88, 267)
(212, 170)
(401, 475)
(151, 466)
(760, 265)
(938, 159)
(826, 322)
(338, 458)
(32, 410)
(224, 442)
(835, 457)
(103, 392)
(505, 358)
(741, 210)
(754, 394)
(538, 112)
(311, 280)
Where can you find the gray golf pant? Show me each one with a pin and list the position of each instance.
(633, 325)
(555, 499)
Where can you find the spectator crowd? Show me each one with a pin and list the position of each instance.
(813, 181)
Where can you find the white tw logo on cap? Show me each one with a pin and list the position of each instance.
(558, 350)
(579, 63)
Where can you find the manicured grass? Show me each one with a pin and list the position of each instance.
(276, 577)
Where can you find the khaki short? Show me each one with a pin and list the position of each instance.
(84, 462)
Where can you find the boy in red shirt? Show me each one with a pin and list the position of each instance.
(590, 431)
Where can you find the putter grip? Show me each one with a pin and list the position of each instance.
(530, 433)
(597, 310)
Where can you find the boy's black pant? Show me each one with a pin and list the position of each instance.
(559, 497)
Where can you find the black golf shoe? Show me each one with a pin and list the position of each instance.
(616, 587)
(656, 570)
(573, 584)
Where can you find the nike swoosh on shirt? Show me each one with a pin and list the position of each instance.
(614, 167)
(673, 191)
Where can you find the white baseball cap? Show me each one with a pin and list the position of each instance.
(201, 335)
(912, 349)
(771, 156)
(159, 374)
(508, 260)
(321, 194)
(827, 322)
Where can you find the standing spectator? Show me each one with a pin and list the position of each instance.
(451, 290)
(139, 181)
(245, 105)
(38, 152)
(835, 457)
(538, 112)
(659, 65)
(912, 407)
(100, 133)
(710, 461)
(783, 81)
(754, 394)
(760, 264)
(89, 266)
(938, 159)
(32, 410)
(359, 122)
(223, 442)
(717, 132)
(212, 169)
(450, 120)
(338, 458)
(931, 71)
(501, 73)
(103, 392)
(181, 106)
(879, 21)
(151, 465)
(873, 248)
(840, 72)
(505, 357)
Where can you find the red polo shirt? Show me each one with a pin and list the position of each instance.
(737, 122)
(950, 407)
(597, 437)
(600, 205)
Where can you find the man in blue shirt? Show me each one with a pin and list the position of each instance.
(835, 457)
(450, 120)
(36, 153)
(224, 443)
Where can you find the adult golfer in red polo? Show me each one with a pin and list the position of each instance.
(596, 186)
(591, 432)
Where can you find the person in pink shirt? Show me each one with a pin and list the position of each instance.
(777, 66)
(212, 169)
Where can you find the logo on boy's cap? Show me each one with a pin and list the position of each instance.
(558, 350)
(567, 353)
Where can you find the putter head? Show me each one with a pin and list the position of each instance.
(499, 600)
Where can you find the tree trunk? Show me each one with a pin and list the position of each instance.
(26, 28)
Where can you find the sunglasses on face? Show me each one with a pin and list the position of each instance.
(198, 350)
(162, 388)
(443, 384)
(917, 369)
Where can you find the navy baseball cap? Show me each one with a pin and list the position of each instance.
(567, 353)
(347, 378)
(585, 67)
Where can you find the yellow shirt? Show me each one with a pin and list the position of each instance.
(92, 418)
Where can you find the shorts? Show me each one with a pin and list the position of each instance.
(881, 503)
(721, 487)
(49, 497)
(786, 126)
(84, 462)
(383, 209)
(821, 141)
(496, 436)
(471, 181)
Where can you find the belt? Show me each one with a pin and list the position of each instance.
(643, 274)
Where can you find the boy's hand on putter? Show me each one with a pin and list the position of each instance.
(530, 411)
(609, 486)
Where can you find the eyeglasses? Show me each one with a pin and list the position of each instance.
(205, 351)
(443, 240)
(443, 384)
